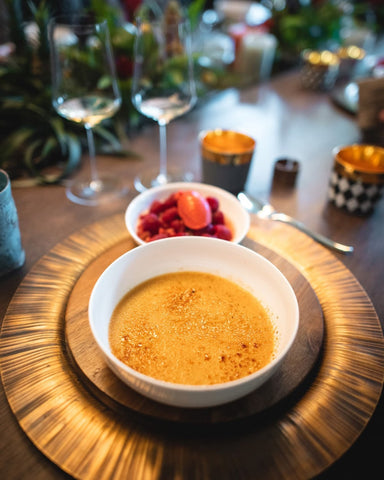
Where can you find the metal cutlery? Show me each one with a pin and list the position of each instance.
(266, 210)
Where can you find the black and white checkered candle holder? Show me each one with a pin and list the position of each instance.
(357, 178)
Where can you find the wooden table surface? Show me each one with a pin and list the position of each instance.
(286, 121)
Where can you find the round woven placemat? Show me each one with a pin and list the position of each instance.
(89, 440)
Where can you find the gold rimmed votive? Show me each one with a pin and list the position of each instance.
(351, 52)
(226, 157)
(349, 57)
(357, 179)
(320, 69)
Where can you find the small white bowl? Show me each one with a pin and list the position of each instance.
(234, 262)
(237, 216)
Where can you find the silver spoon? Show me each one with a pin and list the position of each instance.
(265, 210)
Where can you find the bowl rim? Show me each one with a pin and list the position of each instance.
(176, 186)
(187, 388)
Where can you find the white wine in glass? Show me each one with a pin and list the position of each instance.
(163, 86)
(85, 91)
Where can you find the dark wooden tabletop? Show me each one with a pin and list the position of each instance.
(286, 121)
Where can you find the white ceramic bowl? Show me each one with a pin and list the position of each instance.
(229, 260)
(237, 216)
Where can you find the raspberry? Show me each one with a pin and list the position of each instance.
(178, 225)
(169, 215)
(158, 236)
(156, 207)
(218, 218)
(150, 223)
(207, 231)
(164, 220)
(170, 232)
(213, 203)
(223, 232)
(171, 201)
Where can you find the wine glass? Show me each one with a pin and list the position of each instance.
(163, 85)
(85, 91)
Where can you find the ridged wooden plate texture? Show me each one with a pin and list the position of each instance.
(90, 440)
(93, 369)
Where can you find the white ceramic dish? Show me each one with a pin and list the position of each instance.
(237, 216)
(229, 260)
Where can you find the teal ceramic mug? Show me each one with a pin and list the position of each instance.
(12, 255)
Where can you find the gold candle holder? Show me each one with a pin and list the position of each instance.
(357, 178)
(349, 57)
(320, 69)
(226, 157)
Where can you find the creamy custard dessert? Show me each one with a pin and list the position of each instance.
(192, 328)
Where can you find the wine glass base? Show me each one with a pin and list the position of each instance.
(152, 178)
(96, 192)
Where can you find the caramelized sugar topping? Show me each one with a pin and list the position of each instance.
(192, 328)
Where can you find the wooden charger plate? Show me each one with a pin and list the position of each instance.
(86, 355)
(88, 439)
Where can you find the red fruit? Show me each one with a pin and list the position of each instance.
(194, 210)
(178, 225)
(169, 215)
(158, 236)
(218, 218)
(209, 230)
(183, 213)
(171, 201)
(213, 203)
(170, 232)
(156, 207)
(143, 235)
(150, 223)
(223, 232)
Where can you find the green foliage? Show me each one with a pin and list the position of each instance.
(35, 142)
(194, 12)
(311, 26)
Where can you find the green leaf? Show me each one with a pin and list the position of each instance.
(49, 146)
(14, 142)
(29, 156)
(104, 82)
(16, 20)
(59, 130)
(194, 12)
(74, 154)
(62, 135)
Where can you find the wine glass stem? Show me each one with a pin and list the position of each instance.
(92, 154)
(163, 151)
